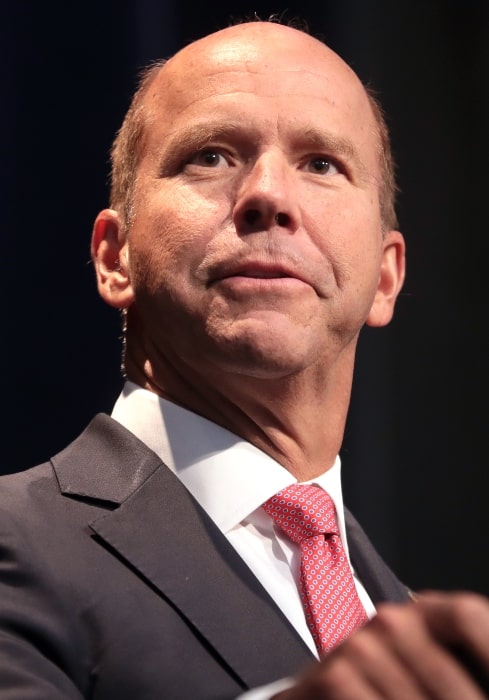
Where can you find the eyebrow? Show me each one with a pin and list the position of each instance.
(324, 140)
(197, 135)
(334, 145)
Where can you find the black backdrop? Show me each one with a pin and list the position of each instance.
(415, 457)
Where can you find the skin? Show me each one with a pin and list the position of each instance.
(256, 252)
(255, 255)
(405, 653)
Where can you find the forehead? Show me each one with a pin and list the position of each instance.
(262, 69)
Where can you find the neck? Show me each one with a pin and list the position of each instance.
(298, 420)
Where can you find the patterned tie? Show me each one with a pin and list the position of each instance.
(331, 604)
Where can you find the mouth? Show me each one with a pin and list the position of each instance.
(252, 271)
(261, 274)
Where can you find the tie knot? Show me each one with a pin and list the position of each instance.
(303, 511)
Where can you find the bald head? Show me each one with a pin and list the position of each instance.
(246, 57)
(261, 43)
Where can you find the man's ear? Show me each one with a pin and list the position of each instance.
(391, 278)
(110, 258)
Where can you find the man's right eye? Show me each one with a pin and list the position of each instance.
(208, 158)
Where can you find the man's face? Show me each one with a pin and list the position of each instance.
(256, 245)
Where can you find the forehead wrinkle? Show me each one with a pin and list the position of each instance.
(227, 81)
(201, 131)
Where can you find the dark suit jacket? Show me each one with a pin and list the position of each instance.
(115, 584)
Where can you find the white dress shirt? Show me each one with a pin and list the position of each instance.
(230, 479)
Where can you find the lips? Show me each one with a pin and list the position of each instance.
(261, 274)
(254, 270)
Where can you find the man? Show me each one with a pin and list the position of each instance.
(251, 235)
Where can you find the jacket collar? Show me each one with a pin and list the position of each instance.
(161, 531)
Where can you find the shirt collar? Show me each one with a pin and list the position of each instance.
(228, 476)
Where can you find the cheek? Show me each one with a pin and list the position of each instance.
(348, 234)
(172, 230)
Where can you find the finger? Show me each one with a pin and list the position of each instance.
(335, 678)
(381, 667)
(459, 619)
(461, 622)
(405, 631)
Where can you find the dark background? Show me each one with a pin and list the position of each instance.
(415, 454)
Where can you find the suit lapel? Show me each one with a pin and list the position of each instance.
(105, 463)
(182, 553)
(380, 582)
(157, 527)
(161, 531)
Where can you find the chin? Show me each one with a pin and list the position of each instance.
(264, 356)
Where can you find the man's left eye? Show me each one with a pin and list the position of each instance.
(322, 166)
(209, 158)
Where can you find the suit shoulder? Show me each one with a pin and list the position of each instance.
(20, 487)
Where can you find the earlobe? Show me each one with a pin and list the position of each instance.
(110, 258)
(391, 279)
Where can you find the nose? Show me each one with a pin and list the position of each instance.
(267, 196)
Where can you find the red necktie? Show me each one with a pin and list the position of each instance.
(331, 604)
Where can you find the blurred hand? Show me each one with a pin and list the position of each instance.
(434, 648)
